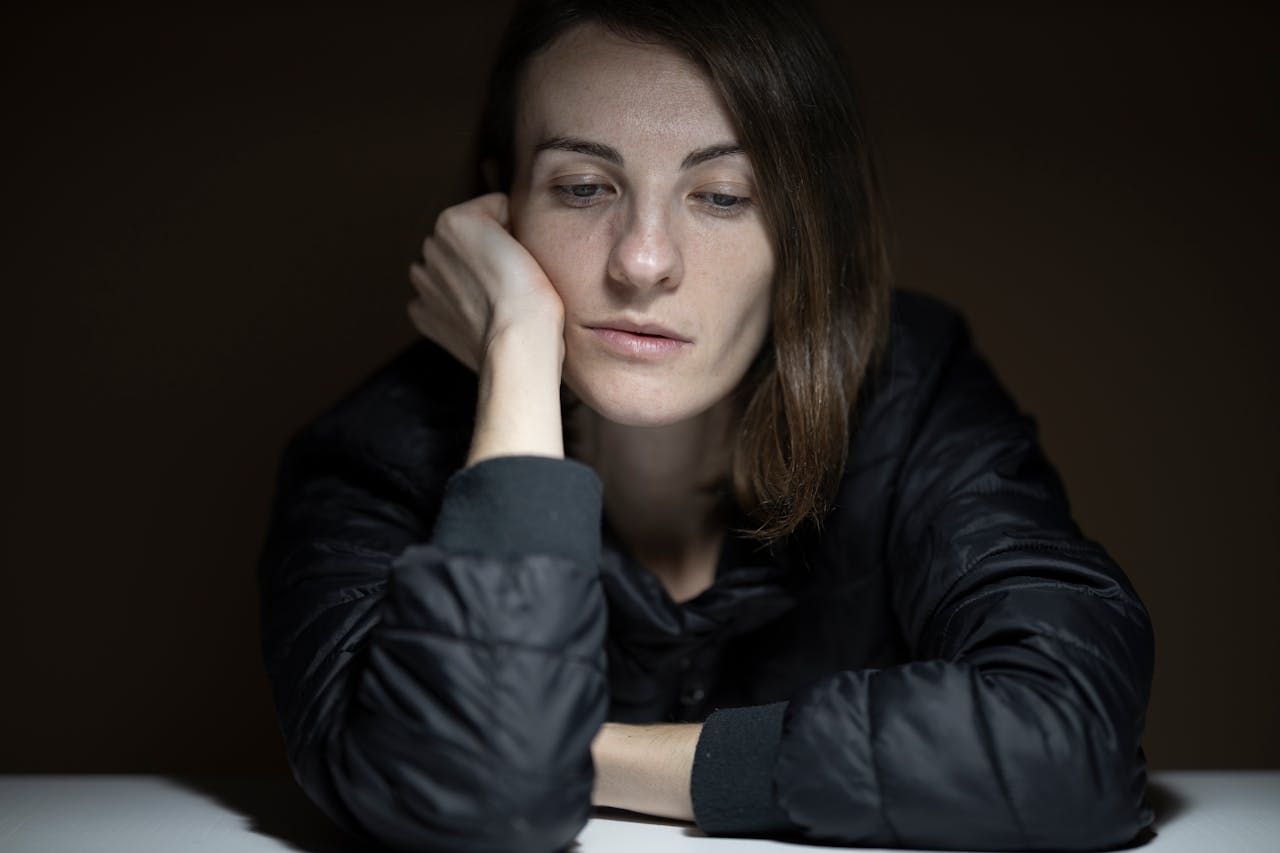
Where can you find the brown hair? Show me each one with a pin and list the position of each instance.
(788, 96)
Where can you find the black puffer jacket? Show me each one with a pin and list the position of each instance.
(950, 663)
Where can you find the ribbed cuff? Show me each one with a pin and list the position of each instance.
(523, 505)
(732, 783)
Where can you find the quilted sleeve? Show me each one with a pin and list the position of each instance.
(1018, 724)
(438, 685)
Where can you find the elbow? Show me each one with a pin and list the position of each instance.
(406, 799)
(1070, 761)
(1073, 741)
(1096, 802)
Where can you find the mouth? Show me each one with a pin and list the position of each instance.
(647, 330)
(639, 341)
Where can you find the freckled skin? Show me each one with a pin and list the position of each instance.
(654, 242)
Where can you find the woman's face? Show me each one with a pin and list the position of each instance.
(632, 194)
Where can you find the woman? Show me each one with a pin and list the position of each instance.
(676, 510)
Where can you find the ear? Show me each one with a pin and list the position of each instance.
(489, 174)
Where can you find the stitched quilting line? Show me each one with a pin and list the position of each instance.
(588, 662)
(1131, 611)
(1061, 546)
(987, 593)
(1113, 594)
(897, 548)
(349, 596)
(1065, 639)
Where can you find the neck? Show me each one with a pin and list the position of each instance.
(663, 487)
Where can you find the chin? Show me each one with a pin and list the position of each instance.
(638, 401)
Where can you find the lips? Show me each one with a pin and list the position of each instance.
(639, 341)
(645, 329)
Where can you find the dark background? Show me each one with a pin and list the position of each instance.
(211, 218)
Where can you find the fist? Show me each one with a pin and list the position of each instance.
(475, 281)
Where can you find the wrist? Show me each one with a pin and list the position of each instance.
(645, 769)
(528, 327)
(518, 409)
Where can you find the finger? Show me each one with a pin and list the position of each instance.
(441, 258)
(430, 297)
(430, 325)
(420, 278)
(427, 321)
(421, 318)
(430, 277)
(496, 206)
(442, 311)
(440, 278)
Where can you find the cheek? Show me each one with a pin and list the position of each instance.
(567, 248)
(753, 323)
(742, 272)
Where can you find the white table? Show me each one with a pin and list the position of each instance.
(1196, 811)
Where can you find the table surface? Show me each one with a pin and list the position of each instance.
(1196, 811)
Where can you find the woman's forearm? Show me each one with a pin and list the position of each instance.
(646, 769)
(518, 412)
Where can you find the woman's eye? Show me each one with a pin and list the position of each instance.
(724, 204)
(581, 195)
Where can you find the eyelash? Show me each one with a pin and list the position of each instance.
(713, 202)
(737, 205)
(567, 194)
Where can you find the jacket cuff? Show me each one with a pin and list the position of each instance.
(512, 505)
(732, 784)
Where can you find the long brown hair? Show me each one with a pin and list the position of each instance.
(794, 111)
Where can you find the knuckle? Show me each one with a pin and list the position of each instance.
(451, 219)
(421, 279)
(431, 253)
(433, 263)
(444, 221)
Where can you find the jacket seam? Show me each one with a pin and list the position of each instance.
(1060, 547)
(350, 596)
(1065, 639)
(1038, 545)
(476, 641)
(875, 762)
(1001, 779)
(986, 593)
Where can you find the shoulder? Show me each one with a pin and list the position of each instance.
(924, 331)
(918, 310)
(926, 336)
(930, 409)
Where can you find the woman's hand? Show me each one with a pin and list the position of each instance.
(476, 282)
(483, 297)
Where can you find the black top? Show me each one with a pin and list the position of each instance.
(948, 663)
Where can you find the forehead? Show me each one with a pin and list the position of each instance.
(592, 83)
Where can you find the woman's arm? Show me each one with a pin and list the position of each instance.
(436, 653)
(645, 768)
(1019, 724)
(483, 297)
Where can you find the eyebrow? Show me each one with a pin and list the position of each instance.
(711, 152)
(610, 154)
(580, 146)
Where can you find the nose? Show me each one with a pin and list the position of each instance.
(646, 251)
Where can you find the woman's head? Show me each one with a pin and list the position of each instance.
(630, 190)
(698, 164)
